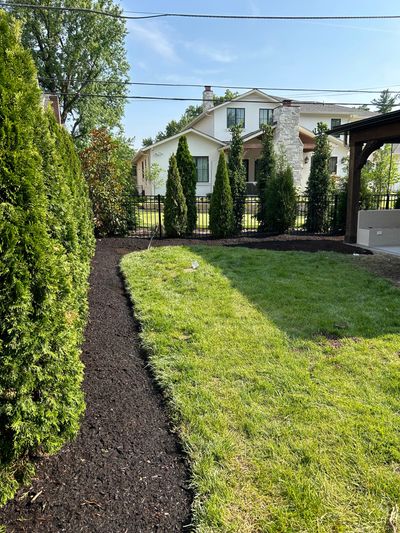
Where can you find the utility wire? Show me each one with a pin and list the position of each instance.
(185, 99)
(143, 15)
(243, 87)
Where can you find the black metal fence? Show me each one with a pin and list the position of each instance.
(150, 214)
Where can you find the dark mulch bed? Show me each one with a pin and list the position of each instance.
(125, 472)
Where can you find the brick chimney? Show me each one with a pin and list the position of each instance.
(208, 96)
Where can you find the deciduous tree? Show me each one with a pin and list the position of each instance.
(75, 53)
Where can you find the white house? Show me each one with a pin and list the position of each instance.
(209, 133)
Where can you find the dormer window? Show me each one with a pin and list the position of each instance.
(266, 116)
(235, 115)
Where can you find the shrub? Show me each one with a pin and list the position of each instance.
(107, 166)
(266, 173)
(175, 210)
(319, 182)
(221, 205)
(280, 199)
(237, 178)
(187, 171)
(45, 243)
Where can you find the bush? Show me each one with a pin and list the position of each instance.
(281, 199)
(107, 166)
(175, 210)
(221, 205)
(46, 244)
(187, 171)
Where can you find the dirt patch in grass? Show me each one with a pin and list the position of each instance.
(125, 472)
(385, 265)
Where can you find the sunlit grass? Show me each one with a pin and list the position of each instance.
(282, 371)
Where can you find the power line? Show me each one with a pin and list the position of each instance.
(187, 99)
(144, 15)
(240, 87)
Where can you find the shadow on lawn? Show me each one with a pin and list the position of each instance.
(311, 295)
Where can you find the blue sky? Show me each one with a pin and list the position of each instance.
(332, 54)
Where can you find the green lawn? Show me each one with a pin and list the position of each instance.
(282, 372)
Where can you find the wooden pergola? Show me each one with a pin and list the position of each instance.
(364, 137)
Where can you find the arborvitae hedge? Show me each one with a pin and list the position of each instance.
(45, 247)
(237, 178)
(266, 173)
(280, 199)
(175, 210)
(221, 204)
(187, 171)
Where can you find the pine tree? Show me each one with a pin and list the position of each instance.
(237, 178)
(175, 211)
(221, 204)
(281, 201)
(385, 102)
(319, 182)
(187, 172)
(266, 173)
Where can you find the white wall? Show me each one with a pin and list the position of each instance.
(198, 146)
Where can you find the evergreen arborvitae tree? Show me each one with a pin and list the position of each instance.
(266, 173)
(187, 172)
(221, 204)
(237, 178)
(46, 243)
(319, 182)
(281, 201)
(175, 210)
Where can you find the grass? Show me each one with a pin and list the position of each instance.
(282, 372)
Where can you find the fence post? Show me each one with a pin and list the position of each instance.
(159, 215)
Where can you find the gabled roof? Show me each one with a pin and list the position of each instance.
(256, 92)
(309, 133)
(322, 108)
(177, 135)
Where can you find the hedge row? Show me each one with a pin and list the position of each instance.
(46, 244)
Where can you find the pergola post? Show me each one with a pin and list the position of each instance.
(353, 191)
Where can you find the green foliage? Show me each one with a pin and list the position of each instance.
(187, 172)
(237, 178)
(227, 97)
(74, 53)
(266, 173)
(175, 210)
(382, 173)
(385, 102)
(281, 199)
(45, 248)
(319, 182)
(107, 166)
(221, 204)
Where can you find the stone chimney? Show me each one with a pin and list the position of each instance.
(287, 118)
(208, 96)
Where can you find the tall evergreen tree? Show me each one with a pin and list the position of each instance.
(281, 201)
(237, 178)
(187, 172)
(266, 173)
(175, 210)
(319, 182)
(221, 205)
(385, 102)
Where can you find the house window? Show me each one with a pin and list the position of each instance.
(332, 165)
(235, 115)
(201, 169)
(266, 116)
(336, 122)
(246, 167)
